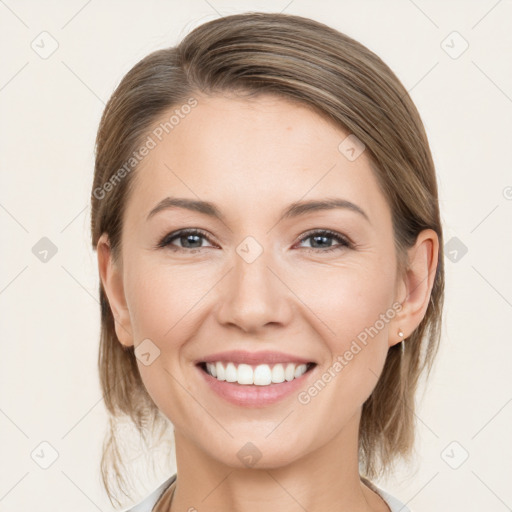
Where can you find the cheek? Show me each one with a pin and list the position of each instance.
(162, 300)
(347, 301)
(352, 313)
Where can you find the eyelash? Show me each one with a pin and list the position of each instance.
(344, 242)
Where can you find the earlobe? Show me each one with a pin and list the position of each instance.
(417, 284)
(112, 282)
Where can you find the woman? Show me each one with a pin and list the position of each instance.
(266, 220)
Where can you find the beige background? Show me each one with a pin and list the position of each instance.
(50, 109)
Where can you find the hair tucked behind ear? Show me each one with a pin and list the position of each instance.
(302, 60)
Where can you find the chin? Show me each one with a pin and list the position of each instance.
(252, 452)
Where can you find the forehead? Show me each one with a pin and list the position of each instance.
(248, 154)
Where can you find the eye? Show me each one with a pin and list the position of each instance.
(186, 237)
(193, 238)
(322, 237)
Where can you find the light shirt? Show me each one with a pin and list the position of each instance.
(147, 504)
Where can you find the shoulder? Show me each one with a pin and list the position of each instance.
(147, 504)
(394, 503)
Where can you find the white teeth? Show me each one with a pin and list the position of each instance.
(278, 373)
(245, 374)
(231, 373)
(299, 370)
(289, 372)
(261, 375)
(212, 369)
(221, 375)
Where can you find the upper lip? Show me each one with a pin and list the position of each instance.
(262, 357)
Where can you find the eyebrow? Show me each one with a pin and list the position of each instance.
(293, 210)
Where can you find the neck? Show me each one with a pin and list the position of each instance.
(326, 479)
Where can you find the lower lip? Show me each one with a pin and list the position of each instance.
(251, 395)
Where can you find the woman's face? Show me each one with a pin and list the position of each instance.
(257, 281)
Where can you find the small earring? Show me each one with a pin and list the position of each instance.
(401, 334)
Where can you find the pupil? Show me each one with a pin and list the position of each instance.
(188, 237)
(324, 238)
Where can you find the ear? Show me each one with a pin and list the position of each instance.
(112, 280)
(415, 287)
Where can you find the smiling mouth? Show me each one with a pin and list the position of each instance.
(257, 375)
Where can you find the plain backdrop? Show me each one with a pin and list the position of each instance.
(453, 57)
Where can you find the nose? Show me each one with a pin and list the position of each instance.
(254, 296)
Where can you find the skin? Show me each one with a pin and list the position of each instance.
(252, 158)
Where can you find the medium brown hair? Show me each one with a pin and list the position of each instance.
(302, 60)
